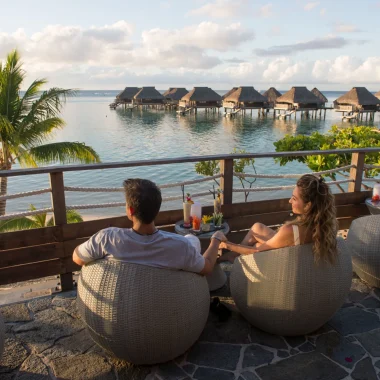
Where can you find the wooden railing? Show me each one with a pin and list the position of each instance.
(47, 251)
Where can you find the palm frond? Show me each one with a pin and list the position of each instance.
(73, 216)
(17, 224)
(39, 132)
(48, 105)
(23, 156)
(39, 219)
(7, 129)
(64, 152)
(27, 100)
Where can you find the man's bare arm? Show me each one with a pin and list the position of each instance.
(77, 259)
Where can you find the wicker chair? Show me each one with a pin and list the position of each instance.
(284, 292)
(2, 335)
(363, 240)
(142, 314)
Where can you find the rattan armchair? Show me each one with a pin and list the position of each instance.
(142, 314)
(363, 240)
(284, 292)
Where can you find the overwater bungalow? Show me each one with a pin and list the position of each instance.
(228, 93)
(174, 95)
(319, 95)
(297, 99)
(148, 96)
(377, 95)
(243, 98)
(201, 97)
(271, 94)
(125, 97)
(357, 102)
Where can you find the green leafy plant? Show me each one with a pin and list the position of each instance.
(36, 221)
(336, 138)
(212, 168)
(27, 123)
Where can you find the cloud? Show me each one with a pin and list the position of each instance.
(266, 11)
(274, 31)
(316, 44)
(346, 28)
(311, 6)
(234, 60)
(221, 9)
(323, 12)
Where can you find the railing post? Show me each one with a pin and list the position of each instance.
(59, 211)
(356, 173)
(227, 179)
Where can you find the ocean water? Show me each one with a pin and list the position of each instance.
(119, 135)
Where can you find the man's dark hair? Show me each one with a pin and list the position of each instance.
(144, 197)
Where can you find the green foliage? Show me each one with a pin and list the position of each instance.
(336, 138)
(36, 221)
(211, 168)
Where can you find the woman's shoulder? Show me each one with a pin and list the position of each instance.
(286, 229)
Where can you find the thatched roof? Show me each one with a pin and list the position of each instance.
(227, 94)
(245, 94)
(175, 93)
(272, 94)
(358, 96)
(204, 94)
(319, 95)
(377, 95)
(149, 93)
(299, 95)
(128, 93)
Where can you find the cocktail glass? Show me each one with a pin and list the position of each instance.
(186, 214)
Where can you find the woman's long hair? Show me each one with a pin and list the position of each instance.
(320, 217)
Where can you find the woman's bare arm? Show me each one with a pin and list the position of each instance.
(283, 238)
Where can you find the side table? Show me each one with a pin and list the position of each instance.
(218, 277)
(373, 207)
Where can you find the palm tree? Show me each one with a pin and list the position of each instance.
(36, 221)
(27, 122)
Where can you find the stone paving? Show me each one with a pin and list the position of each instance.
(46, 340)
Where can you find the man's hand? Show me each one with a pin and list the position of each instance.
(219, 235)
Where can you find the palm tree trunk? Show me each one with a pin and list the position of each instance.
(3, 191)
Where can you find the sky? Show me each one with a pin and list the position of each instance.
(84, 44)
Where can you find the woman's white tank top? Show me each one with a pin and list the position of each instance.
(296, 234)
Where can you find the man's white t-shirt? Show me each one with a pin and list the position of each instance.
(161, 249)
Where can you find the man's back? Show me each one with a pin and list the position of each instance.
(161, 249)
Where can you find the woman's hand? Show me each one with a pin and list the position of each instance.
(223, 245)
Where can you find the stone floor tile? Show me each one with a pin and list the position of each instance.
(13, 356)
(370, 303)
(293, 351)
(256, 355)
(377, 364)
(338, 349)
(310, 366)
(364, 371)
(79, 342)
(39, 304)
(48, 326)
(266, 339)
(359, 290)
(212, 374)
(33, 369)
(223, 356)
(354, 320)
(17, 312)
(249, 375)
(170, 371)
(235, 330)
(370, 341)
(282, 354)
(83, 367)
(189, 368)
(129, 371)
(295, 341)
(306, 347)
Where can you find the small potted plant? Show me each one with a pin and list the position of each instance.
(218, 218)
(207, 222)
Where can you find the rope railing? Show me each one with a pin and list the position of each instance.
(24, 194)
(293, 175)
(287, 187)
(25, 213)
(367, 166)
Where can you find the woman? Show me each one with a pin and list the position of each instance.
(313, 202)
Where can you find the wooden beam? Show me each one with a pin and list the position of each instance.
(227, 180)
(356, 173)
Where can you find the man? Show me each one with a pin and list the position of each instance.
(144, 243)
